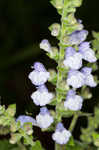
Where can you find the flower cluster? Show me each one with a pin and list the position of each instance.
(42, 96)
(78, 76)
(73, 60)
(74, 56)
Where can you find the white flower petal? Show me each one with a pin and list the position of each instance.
(74, 62)
(42, 98)
(73, 102)
(76, 80)
(44, 121)
(39, 78)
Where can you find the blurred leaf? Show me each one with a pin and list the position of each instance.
(74, 145)
(15, 137)
(71, 141)
(5, 145)
(37, 146)
(4, 130)
(95, 136)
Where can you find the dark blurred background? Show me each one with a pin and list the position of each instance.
(23, 24)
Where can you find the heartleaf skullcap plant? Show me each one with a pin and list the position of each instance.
(24, 119)
(73, 101)
(42, 97)
(73, 59)
(71, 52)
(44, 119)
(61, 135)
(39, 75)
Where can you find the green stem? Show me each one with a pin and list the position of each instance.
(59, 147)
(62, 45)
(61, 55)
(59, 73)
(73, 122)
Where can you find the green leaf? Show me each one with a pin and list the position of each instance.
(2, 109)
(71, 141)
(95, 34)
(76, 146)
(11, 110)
(37, 146)
(5, 145)
(95, 136)
(57, 3)
(15, 137)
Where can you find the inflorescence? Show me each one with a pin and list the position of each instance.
(77, 77)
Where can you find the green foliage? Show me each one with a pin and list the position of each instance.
(95, 43)
(95, 136)
(89, 134)
(8, 125)
(5, 145)
(37, 146)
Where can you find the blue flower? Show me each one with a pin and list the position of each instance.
(61, 135)
(39, 75)
(77, 37)
(44, 119)
(42, 96)
(89, 80)
(87, 53)
(24, 119)
(73, 101)
(75, 79)
(73, 59)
